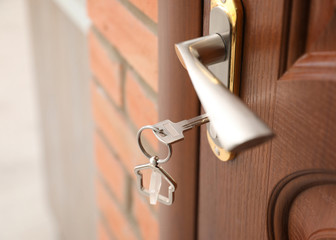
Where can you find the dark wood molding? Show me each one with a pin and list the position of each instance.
(312, 215)
(179, 21)
(307, 27)
(284, 194)
(312, 66)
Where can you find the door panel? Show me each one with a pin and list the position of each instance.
(288, 78)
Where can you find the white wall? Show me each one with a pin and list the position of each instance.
(24, 211)
(62, 74)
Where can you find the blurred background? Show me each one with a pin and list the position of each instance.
(46, 163)
(24, 211)
(76, 84)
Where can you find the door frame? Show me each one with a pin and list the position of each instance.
(179, 21)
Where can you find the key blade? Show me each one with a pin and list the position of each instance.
(168, 132)
(194, 122)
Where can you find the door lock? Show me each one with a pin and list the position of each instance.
(213, 64)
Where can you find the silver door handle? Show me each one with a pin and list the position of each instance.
(237, 127)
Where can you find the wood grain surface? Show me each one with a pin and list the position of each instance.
(233, 195)
(292, 90)
(179, 21)
(287, 205)
(313, 214)
(288, 79)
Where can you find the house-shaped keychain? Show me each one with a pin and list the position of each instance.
(155, 182)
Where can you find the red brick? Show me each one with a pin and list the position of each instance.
(116, 130)
(116, 220)
(107, 70)
(137, 44)
(110, 169)
(149, 7)
(140, 108)
(102, 233)
(147, 222)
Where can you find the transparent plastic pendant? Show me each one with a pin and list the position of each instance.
(154, 187)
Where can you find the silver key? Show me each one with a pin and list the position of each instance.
(170, 132)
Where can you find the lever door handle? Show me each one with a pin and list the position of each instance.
(237, 127)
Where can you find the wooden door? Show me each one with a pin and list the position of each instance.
(284, 189)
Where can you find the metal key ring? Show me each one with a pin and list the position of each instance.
(154, 129)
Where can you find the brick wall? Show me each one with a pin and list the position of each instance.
(123, 50)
